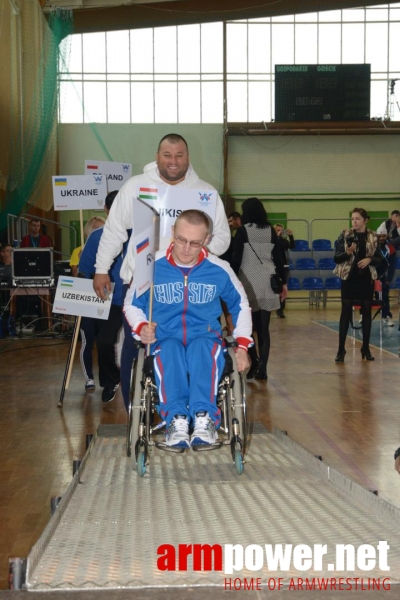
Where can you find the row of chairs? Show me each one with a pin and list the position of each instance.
(330, 283)
(324, 264)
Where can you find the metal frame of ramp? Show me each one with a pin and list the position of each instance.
(106, 531)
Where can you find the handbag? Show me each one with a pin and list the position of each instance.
(276, 284)
(275, 281)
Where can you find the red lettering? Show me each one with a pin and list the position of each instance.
(184, 551)
(166, 562)
(203, 555)
(227, 584)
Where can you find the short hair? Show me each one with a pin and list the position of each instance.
(194, 217)
(4, 246)
(91, 225)
(362, 212)
(173, 138)
(34, 220)
(395, 212)
(278, 225)
(234, 215)
(110, 199)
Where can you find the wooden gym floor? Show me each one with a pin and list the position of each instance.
(349, 414)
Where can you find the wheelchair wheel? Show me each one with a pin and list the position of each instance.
(141, 462)
(136, 403)
(130, 410)
(238, 402)
(239, 462)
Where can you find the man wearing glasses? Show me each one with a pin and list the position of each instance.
(185, 332)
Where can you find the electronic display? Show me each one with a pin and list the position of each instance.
(322, 92)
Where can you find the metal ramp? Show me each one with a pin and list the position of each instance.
(106, 531)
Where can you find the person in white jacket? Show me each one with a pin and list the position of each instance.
(172, 167)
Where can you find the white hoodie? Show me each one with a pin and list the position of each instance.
(121, 219)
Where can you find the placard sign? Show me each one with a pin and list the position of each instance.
(76, 296)
(79, 192)
(116, 173)
(169, 201)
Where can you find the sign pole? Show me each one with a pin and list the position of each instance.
(74, 340)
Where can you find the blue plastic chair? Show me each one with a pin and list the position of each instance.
(397, 266)
(316, 289)
(313, 283)
(326, 264)
(293, 284)
(305, 264)
(301, 245)
(332, 283)
(322, 244)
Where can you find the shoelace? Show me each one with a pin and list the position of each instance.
(179, 425)
(202, 423)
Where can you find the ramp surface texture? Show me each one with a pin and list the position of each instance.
(106, 532)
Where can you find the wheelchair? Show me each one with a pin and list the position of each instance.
(144, 424)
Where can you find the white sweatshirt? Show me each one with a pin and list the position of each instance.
(121, 219)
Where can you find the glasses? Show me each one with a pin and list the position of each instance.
(193, 244)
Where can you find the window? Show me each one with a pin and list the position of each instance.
(175, 74)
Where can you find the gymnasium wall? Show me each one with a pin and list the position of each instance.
(306, 177)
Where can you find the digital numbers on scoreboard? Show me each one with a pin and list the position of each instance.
(322, 92)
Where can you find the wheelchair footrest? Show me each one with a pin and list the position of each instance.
(206, 447)
(163, 446)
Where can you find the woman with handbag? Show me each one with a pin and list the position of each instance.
(257, 262)
(357, 255)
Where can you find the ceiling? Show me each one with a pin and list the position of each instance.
(109, 15)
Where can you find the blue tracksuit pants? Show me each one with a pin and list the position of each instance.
(187, 377)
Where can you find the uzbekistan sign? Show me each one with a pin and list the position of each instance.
(76, 296)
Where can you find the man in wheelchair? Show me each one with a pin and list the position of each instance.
(185, 333)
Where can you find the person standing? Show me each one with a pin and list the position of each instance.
(35, 239)
(286, 243)
(105, 332)
(172, 167)
(357, 256)
(255, 258)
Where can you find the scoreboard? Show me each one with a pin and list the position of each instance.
(322, 92)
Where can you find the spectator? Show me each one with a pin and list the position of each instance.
(6, 262)
(357, 256)
(35, 239)
(390, 226)
(388, 253)
(92, 224)
(234, 222)
(286, 243)
(255, 258)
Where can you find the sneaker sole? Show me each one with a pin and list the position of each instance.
(198, 441)
(182, 444)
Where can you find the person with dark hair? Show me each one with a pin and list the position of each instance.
(390, 226)
(256, 256)
(35, 239)
(105, 332)
(185, 332)
(357, 257)
(234, 221)
(286, 243)
(171, 167)
(6, 262)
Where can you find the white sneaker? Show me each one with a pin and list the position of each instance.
(388, 321)
(90, 385)
(204, 430)
(177, 435)
(360, 319)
